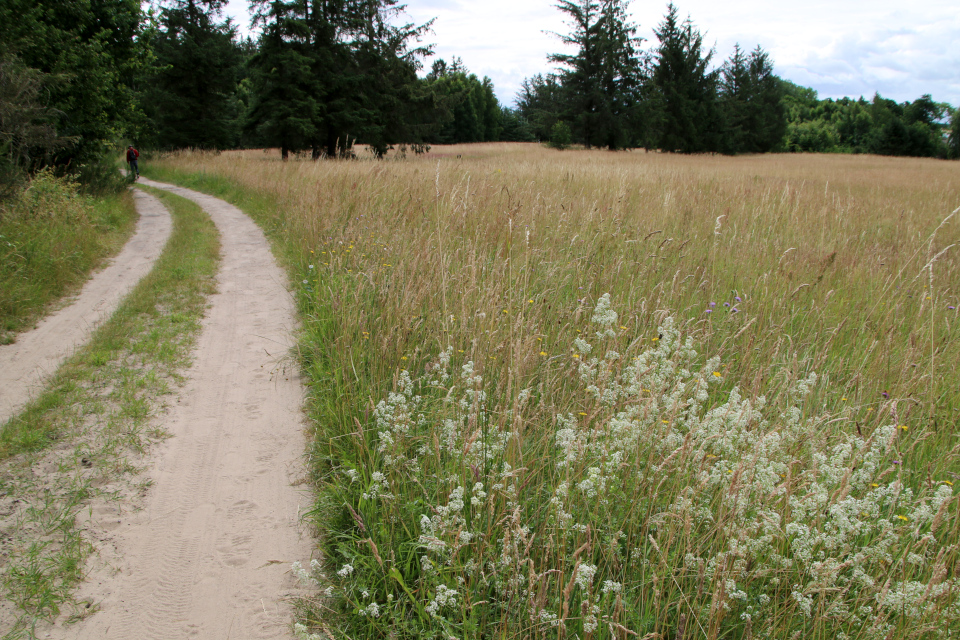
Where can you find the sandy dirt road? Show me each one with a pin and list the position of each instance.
(208, 555)
(26, 364)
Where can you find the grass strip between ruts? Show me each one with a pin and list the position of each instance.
(97, 409)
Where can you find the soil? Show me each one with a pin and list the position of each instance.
(205, 550)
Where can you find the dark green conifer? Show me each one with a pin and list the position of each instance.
(684, 89)
(193, 100)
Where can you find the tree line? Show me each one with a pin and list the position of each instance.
(77, 78)
(613, 93)
(881, 126)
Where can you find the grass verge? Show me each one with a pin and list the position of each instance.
(51, 238)
(81, 438)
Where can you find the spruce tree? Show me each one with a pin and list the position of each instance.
(284, 109)
(751, 103)
(768, 122)
(331, 71)
(599, 81)
(684, 89)
(735, 96)
(193, 99)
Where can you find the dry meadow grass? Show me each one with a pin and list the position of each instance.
(458, 355)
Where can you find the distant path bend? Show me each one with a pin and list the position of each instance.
(208, 556)
(27, 364)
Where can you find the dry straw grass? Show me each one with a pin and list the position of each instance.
(780, 266)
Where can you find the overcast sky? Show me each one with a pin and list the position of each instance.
(838, 47)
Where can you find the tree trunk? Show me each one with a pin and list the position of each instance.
(331, 145)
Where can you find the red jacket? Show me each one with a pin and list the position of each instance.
(132, 154)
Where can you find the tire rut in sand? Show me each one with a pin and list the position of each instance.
(208, 555)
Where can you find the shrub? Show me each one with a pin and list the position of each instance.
(51, 237)
(560, 136)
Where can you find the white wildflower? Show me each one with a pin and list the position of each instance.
(445, 598)
(585, 575)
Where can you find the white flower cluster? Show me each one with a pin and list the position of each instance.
(445, 598)
(765, 510)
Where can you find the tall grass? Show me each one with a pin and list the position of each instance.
(573, 393)
(51, 237)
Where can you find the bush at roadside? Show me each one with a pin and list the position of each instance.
(51, 238)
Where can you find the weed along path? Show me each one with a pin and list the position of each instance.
(208, 555)
(27, 363)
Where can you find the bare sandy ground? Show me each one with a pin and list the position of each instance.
(208, 555)
(26, 364)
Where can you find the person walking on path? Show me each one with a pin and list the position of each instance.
(132, 155)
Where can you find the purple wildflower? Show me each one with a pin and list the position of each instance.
(709, 311)
(951, 307)
(897, 462)
(737, 298)
(713, 304)
(885, 394)
(734, 310)
(726, 304)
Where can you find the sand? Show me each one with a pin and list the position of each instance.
(207, 551)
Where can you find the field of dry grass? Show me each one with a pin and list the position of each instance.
(499, 451)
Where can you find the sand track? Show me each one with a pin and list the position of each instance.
(208, 555)
(26, 364)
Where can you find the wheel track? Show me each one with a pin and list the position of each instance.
(208, 556)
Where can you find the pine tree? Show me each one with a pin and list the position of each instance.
(193, 99)
(684, 89)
